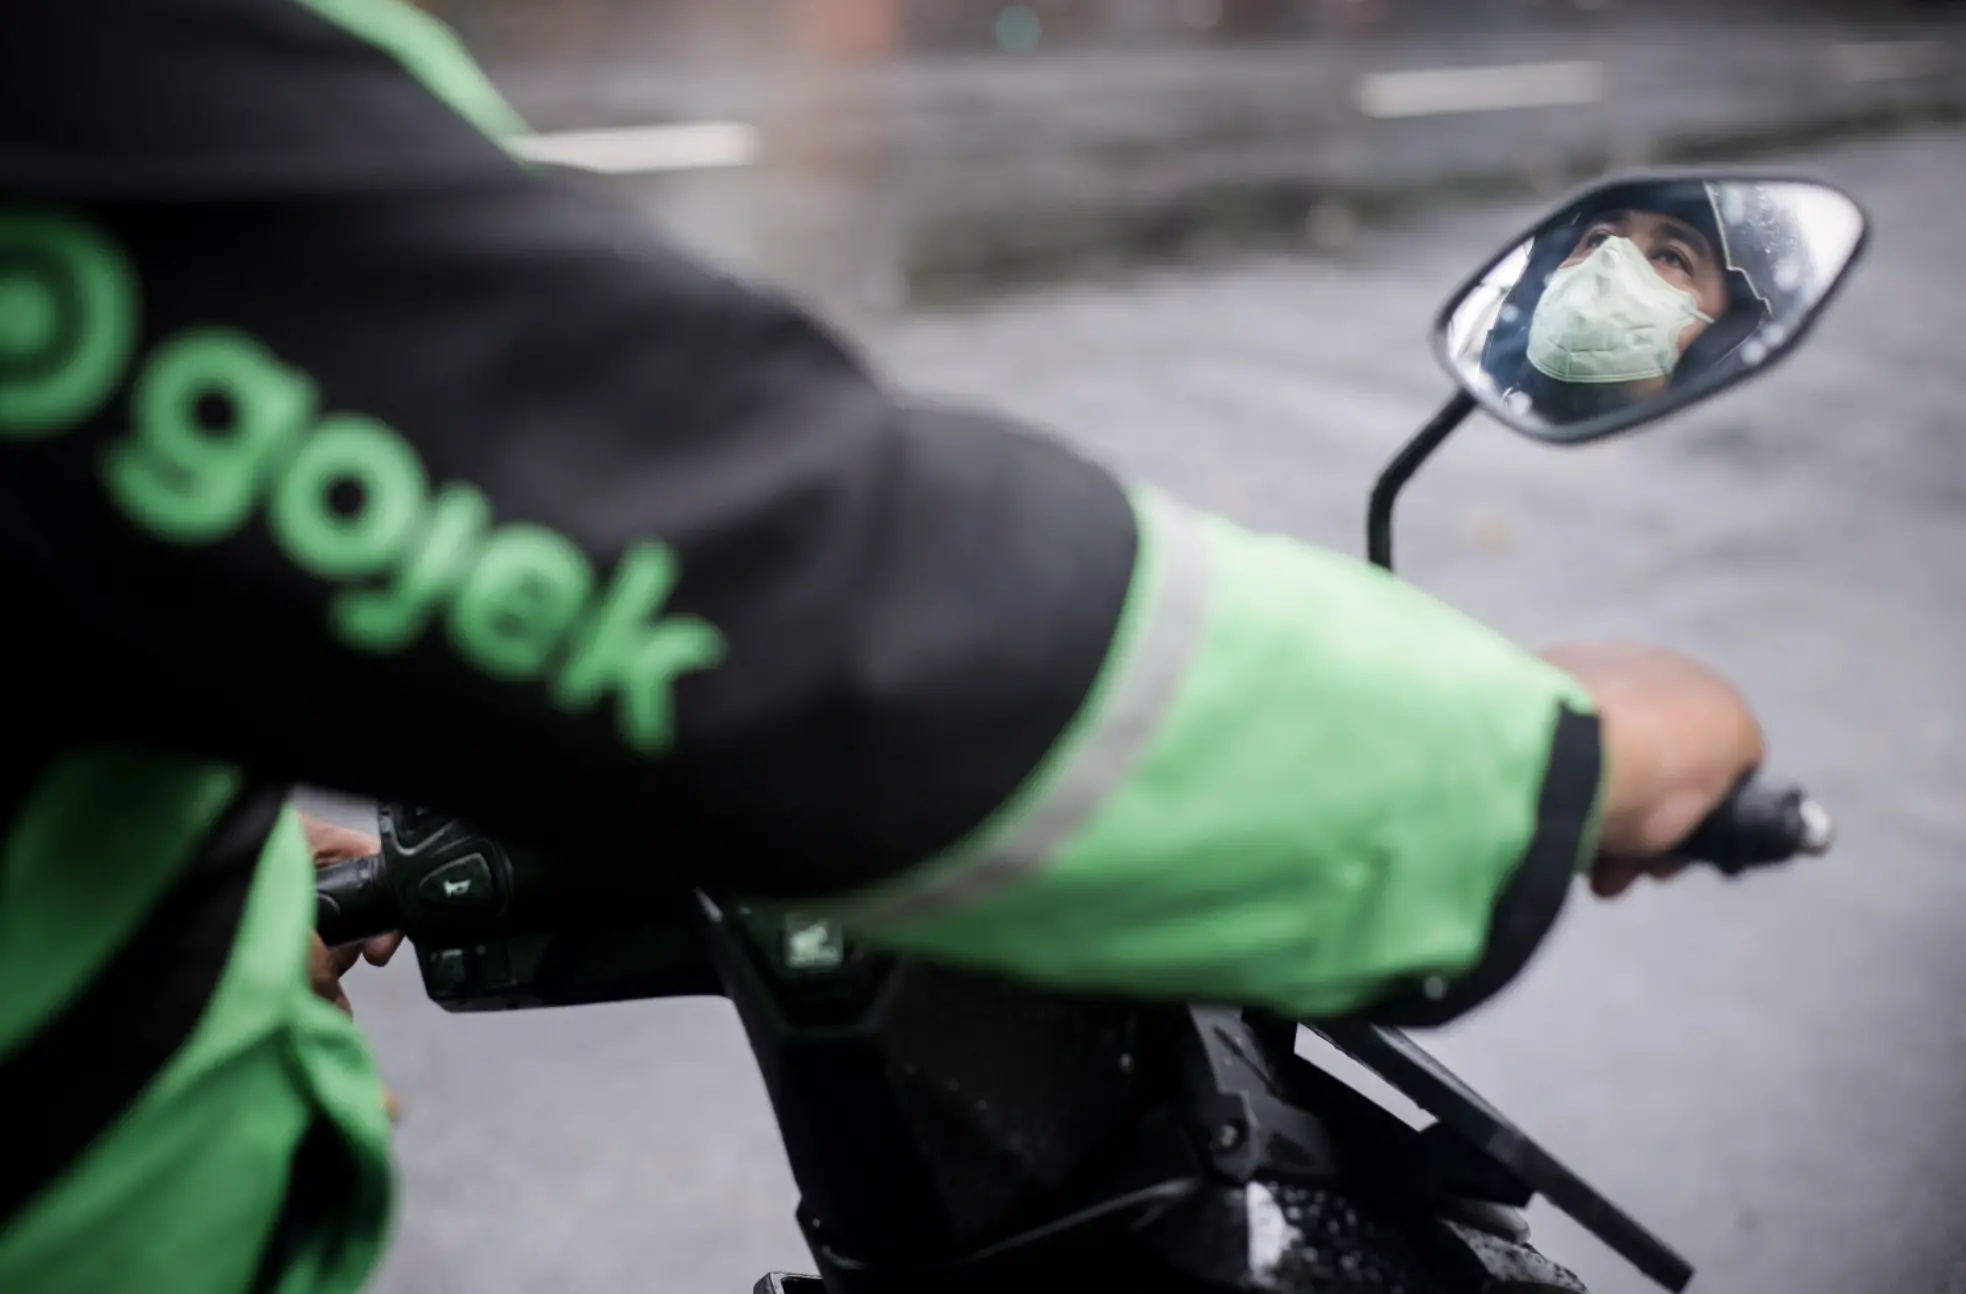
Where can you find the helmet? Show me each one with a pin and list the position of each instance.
(1753, 228)
(1771, 274)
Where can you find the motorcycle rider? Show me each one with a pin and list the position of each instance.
(342, 447)
(1644, 288)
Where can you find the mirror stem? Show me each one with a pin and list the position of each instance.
(1379, 517)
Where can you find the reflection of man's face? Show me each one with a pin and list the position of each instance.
(1679, 253)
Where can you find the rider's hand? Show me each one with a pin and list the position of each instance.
(325, 966)
(1677, 737)
(331, 844)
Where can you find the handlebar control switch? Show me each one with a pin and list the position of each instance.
(465, 883)
(452, 884)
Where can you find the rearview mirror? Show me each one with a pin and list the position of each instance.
(1642, 294)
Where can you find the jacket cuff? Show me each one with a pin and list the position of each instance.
(1567, 814)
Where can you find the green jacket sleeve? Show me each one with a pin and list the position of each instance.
(1297, 783)
(323, 414)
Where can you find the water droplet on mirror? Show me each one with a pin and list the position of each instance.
(1510, 314)
(1788, 276)
(1754, 352)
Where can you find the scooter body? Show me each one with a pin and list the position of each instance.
(958, 1132)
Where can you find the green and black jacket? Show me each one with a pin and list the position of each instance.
(339, 445)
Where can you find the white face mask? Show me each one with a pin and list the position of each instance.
(1610, 318)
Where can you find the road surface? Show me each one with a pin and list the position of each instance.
(1771, 1074)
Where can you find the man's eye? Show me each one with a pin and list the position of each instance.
(1676, 259)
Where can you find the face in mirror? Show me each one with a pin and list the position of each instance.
(1643, 295)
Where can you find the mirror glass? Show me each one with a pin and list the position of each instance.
(1644, 294)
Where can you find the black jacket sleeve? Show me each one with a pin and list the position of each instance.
(336, 441)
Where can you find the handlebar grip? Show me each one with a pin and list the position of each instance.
(1759, 825)
(353, 901)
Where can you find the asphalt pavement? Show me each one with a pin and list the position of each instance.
(1770, 1073)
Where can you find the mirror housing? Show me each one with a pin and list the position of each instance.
(1645, 292)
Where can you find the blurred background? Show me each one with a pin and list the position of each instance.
(1205, 239)
(879, 152)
